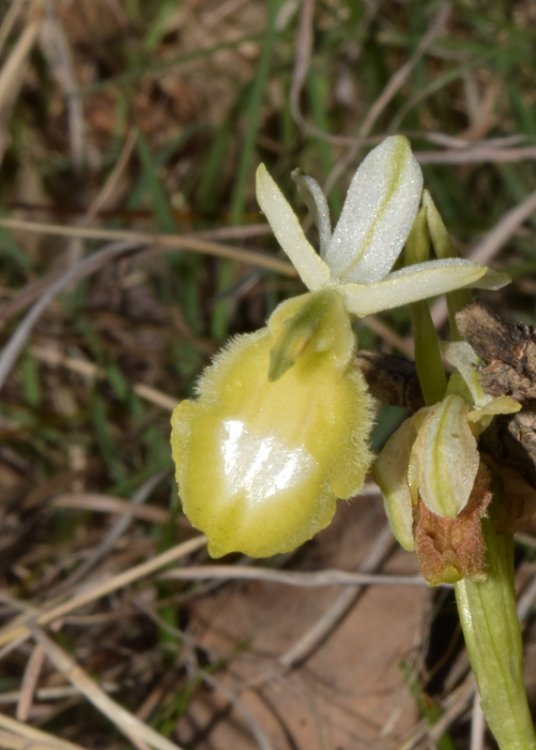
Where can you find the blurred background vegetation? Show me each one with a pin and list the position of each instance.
(132, 247)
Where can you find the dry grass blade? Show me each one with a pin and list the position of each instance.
(402, 74)
(302, 59)
(164, 241)
(137, 731)
(97, 503)
(12, 74)
(55, 48)
(10, 19)
(453, 706)
(15, 735)
(391, 89)
(478, 725)
(101, 550)
(494, 240)
(526, 600)
(476, 154)
(113, 178)
(19, 628)
(53, 358)
(29, 682)
(88, 266)
(257, 733)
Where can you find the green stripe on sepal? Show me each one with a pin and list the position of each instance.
(379, 211)
(446, 457)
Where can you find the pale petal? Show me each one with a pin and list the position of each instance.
(499, 405)
(439, 235)
(493, 280)
(379, 211)
(463, 357)
(286, 227)
(482, 417)
(446, 457)
(414, 283)
(390, 472)
(315, 200)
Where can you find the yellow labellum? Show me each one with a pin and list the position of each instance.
(261, 463)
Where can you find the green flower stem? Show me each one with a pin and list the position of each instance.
(427, 353)
(493, 638)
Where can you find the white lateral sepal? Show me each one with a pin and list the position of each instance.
(285, 225)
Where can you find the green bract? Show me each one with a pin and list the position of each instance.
(433, 456)
(280, 426)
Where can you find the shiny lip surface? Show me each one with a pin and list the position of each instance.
(260, 466)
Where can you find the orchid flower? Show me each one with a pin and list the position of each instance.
(279, 430)
(358, 256)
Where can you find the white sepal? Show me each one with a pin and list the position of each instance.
(379, 211)
(285, 225)
(390, 472)
(411, 284)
